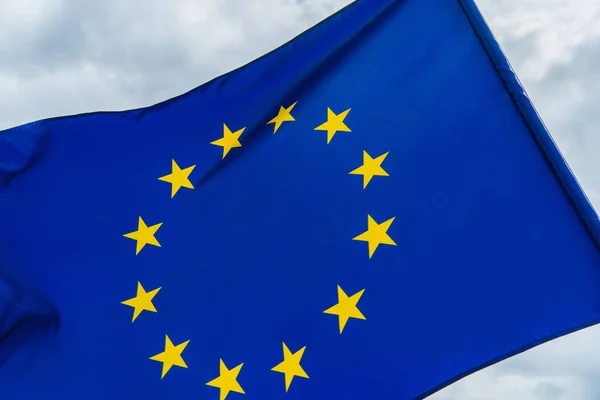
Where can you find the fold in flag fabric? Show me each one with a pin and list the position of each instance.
(373, 210)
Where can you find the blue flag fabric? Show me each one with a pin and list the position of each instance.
(373, 210)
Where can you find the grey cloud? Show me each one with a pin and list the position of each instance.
(138, 52)
(580, 127)
(549, 391)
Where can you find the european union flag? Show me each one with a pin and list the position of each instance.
(373, 210)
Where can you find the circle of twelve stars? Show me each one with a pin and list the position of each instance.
(347, 306)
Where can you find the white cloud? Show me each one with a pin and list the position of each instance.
(555, 28)
(492, 386)
(113, 54)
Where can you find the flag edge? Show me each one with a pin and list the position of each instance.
(535, 125)
(553, 157)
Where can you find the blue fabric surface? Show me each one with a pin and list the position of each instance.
(486, 244)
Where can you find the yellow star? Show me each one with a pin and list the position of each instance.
(376, 234)
(227, 380)
(290, 366)
(178, 178)
(229, 140)
(144, 235)
(142, 301)
(346, 307)
(283, 116)
(371, 167)
(334, 124)
(171, 356)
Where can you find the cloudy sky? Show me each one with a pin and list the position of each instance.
(69, 56)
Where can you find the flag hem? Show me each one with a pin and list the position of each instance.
(536, 127)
